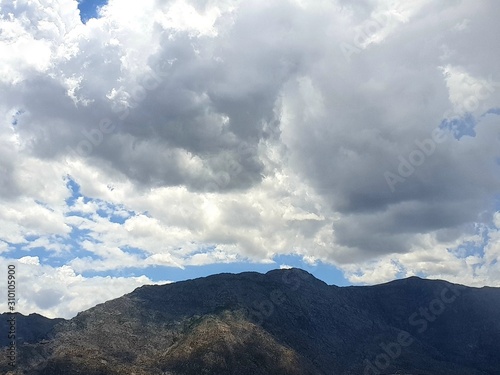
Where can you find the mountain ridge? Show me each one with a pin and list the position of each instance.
(281, 322)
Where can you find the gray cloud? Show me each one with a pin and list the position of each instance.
(374, 110)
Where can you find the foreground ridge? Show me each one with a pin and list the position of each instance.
(281, 322)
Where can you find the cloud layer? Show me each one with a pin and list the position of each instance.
(180, 133)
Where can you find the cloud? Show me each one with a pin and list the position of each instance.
(470, 260)
(182, 133)
(60, 292)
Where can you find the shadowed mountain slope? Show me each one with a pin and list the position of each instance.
(282, 322)
(30, 328)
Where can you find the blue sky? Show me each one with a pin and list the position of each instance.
(88, 8)
(167, 140)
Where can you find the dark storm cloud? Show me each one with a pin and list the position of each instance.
(377, 110)
(210, 97)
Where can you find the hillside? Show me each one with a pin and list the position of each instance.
(282, 322)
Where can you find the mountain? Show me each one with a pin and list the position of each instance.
(30, 329)
(281, 322)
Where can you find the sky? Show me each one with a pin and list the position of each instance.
(89, 9)
(157, 141)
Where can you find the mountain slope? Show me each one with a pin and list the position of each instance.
(283, 322)
(31, 328)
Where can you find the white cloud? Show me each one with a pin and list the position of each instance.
(60, 291)
(30, 260)
(27, 217)
(182, 16)
(437, 260)
(239, 131)
(469, 94)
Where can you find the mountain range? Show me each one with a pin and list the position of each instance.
(282, 322)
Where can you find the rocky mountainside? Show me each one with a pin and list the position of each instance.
(282, 322)
(30, 329)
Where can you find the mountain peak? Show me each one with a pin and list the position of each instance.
(282, 322)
